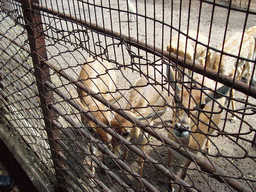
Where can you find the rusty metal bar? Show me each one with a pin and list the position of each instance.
(196, 67)
(205, 165)
(33, 25)
(103, 148)
(214, 75)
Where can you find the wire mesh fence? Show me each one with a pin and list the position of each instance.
(133, 95)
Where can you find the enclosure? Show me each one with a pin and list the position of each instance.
(73, 71)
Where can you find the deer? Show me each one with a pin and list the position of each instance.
(147, 102)
(197, 114)
(189, 49)
(252, 31)
(96, 74)
(241, 46)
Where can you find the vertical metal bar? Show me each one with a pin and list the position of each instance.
(36, 39)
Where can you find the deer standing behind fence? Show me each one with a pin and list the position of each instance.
(187, 48)
(242, 46)
(252, 31)
(95, 75)
(197, 114)
(148, 100)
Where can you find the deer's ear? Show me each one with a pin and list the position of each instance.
(153, 115)
(115, 99)
(220, 92)
(202, 105)
(171, 79)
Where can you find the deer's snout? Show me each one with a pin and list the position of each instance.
(181, 130)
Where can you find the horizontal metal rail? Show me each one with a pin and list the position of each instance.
(230, 7)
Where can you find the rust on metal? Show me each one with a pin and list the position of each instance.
(33, 25)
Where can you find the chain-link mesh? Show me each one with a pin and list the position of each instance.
(98, 93)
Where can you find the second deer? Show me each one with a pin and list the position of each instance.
(196, 115)
(239, 46)
(187, 48)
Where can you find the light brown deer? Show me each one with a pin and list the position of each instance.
(242, 46)
(183, 46)
(197, 114)
(251, 31)
(147, 100)
(95, 75)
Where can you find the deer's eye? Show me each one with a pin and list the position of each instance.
(185, 110)
(91, 130)
(125, 134)
(193, 86)
(176, 100)
(202, 105)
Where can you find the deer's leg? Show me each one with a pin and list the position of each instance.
(141, 160)
(184, 173)
(170, 161)
(125, 155)
(233, 117)
(207, 145)
(92, 150)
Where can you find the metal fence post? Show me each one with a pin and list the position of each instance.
(34, 27)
